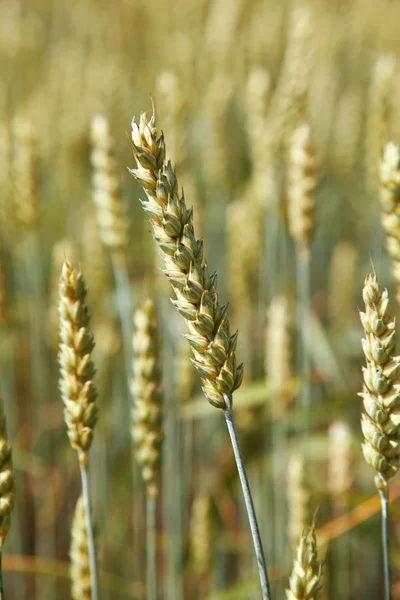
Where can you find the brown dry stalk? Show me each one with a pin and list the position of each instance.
(81, 588)
(304, 582)
(147, 415)
(380, 423)
(111, 211)
(7, 485)
(390, 201)
(302, 181)
(76, 367)
(196, 294)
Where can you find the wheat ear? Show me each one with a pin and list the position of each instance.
(304, 582)
(196, 294)
(79, 555)
(381, 396)
(7, 490)
(390, 200)
(76, 385)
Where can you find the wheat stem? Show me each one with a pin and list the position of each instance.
(384, 496)
(151, 535)
(255, 532)
(89, 532)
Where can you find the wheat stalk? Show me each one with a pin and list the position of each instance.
(196, 294)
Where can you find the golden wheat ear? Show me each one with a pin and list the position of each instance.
(305, 580)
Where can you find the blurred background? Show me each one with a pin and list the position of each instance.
(231, 80)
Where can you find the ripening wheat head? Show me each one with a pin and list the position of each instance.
(196, 292)
(381, 393)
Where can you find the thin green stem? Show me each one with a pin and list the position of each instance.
(89, 532)
(385, 543)
(151, 534)
(255, 532)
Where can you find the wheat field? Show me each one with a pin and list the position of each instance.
(256, 142)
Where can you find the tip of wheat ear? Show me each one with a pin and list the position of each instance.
(381, 392)
(305, 579)
(76, 367)
(196, 293)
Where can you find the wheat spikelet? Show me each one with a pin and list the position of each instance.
(390, 201)
(298, 495)
(24, 173)
(301, 185)
(147, 431)
(111, 212)
(196, 294)
(381, 391)
(76, 368)
(278, 354)
(341, 285)
(7, 484)
(304, 582)
(378, 115)
(340, 465)
(200, 535)
(79, 555)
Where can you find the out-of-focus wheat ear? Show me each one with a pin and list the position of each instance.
(147, 426)
(381, 421)
(111, 210)
(174, 103)
(378, 115)
(200, 535)
(6, 195)
(302, 181)
(342, 277)
(278, 355)
(24, 167)
(389, 172)
(7, 489)
(305, 580)
(340, 465)
(76, 367)
(81, 588)
(298, 498)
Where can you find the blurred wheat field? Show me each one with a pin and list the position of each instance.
(275, 117)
